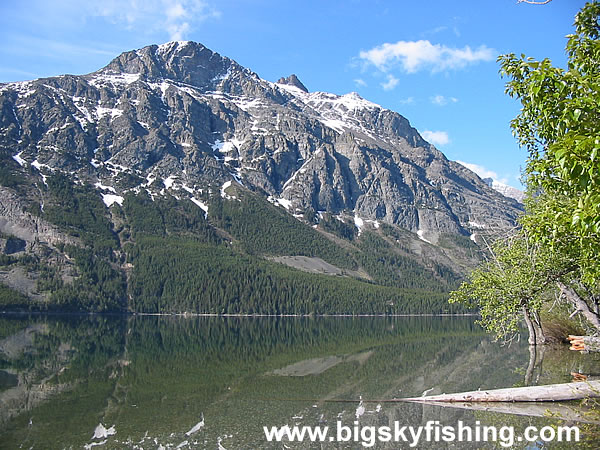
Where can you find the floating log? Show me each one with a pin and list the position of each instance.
(547, 393)
(585, 343)
(555, 410)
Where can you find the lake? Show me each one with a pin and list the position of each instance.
(215, 382)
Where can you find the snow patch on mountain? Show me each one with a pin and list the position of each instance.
(337, 112)
(112, 112)
(506, 190)
(224, 194)
(473, 224)
(115, 79)
(102, 187)
(421, 234)
(172, 45)
(18, 159)
(110, 199)
(168, 182)
(201, 205)
(284, 202)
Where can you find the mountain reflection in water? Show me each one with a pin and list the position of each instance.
(201, 382)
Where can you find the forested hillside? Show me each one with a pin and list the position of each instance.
(167, 255)
(176, 180)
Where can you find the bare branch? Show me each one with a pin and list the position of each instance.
(533, 2)
(572, 296)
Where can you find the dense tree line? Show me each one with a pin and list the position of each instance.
(163, 254)
(387, 267)
(166, 215)
(79, 210)
(264, 229)
(338, 227)
(8, 175)
(98, 287)
(11, 299)
(177, 274)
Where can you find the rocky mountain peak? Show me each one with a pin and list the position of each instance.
(293, 80)
(186, 62)
(181, 113)
(504, 189)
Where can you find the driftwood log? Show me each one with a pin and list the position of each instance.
(548, 393)
(563, 411)
(585, 343)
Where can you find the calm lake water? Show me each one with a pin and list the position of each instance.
(211, 382)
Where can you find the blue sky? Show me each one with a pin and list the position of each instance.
(432, 61)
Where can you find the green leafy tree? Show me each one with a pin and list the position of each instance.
(557, 249)
(559, 125)
(515, 281)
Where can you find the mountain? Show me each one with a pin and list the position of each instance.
(183, 113)
(505, 189)
(180, 122)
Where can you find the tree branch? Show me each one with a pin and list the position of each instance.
(532, 2)
(580, 304)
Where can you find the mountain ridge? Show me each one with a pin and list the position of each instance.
(179, 107)
(174, 179)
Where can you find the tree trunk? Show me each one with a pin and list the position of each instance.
(540, 337)
(548, 393)
(531, 365)
(568, 412)
(536, 359)
(536, 335)
(579, 304)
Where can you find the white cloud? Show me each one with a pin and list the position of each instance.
(413, 56)
(483, 172)
(440, 100)
(436, 137)
(391, 83)
(178, 17)
(175, 12)
(181, 15)
(437, 30)
(177, 31)
(407, 101)
(360, 82)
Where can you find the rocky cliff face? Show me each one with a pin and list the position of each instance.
(25, 227)
(180, 117)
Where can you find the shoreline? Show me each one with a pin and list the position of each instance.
(239, 315)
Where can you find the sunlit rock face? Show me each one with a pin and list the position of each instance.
(179, 116)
